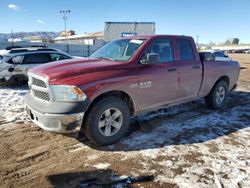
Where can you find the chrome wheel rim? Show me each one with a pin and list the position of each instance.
(220, 95)
(110, 122)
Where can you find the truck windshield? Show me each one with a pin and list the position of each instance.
(119, 50)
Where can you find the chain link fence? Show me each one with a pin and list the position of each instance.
(72, 49)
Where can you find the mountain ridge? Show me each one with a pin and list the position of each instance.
(22, 35)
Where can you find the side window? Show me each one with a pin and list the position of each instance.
(57, 57)
(163, 47)
(184, 49)
(16, 60)
(36, 58)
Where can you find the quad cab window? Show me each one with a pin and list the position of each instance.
(185, 50)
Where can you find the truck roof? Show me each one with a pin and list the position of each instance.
(155, 36)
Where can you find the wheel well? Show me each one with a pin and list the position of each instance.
(119, 94)
(224, 78)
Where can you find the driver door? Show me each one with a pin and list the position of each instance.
(158, 82)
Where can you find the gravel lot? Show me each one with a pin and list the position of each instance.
(183, 146)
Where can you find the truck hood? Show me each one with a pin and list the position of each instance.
(58, 71)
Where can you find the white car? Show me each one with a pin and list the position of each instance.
(14, 66)
(218, 55)
(247, 51)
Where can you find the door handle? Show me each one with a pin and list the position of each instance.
(196, 67)
(172, 70)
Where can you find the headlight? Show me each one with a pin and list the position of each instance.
(68, 93)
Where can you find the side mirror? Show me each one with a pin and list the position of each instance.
(152, 58)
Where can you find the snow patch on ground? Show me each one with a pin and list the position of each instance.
(12, 106)
(77, 147)
(210, 149)
(102, 165)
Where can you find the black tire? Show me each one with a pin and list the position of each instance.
(212, 100)
(17, 80)
(95, 114)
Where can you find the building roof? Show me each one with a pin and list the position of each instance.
(83, 35)
(109, 22)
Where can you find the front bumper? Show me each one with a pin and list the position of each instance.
(59, 123)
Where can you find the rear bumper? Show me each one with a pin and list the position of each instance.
(59, 123)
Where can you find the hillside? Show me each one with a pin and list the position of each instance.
(45, 34)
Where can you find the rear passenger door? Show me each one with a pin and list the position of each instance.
(190, 69)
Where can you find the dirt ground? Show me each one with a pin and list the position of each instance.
(183, 146)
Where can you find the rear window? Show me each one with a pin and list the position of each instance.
(36, 58)
(185, 50)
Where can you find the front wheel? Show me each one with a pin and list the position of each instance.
(217, 97)
(107, 121)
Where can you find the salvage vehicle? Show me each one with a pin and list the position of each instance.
(125, 78)
(15, 64)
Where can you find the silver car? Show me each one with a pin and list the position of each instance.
(14, 66)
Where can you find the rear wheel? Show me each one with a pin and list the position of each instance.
(217, 97)
(107, 121)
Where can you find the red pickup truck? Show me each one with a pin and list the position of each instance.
(98, 95)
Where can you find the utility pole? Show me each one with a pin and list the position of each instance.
(197, 41)
(12, 38)
(64, 14)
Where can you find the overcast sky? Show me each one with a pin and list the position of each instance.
(212, 20)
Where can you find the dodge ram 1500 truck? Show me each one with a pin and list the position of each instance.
(98, 95)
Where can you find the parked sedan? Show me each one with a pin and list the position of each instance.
(14, 67)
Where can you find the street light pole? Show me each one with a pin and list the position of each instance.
(65, 17)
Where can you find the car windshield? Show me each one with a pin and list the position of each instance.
(5, 58)
(119, 50)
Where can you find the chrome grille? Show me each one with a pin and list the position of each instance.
(41, 95)
(38, 82)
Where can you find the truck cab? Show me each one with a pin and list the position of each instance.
(98, 95)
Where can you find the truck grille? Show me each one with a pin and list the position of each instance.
(39, 88)
(38, 82)
(41, 95)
